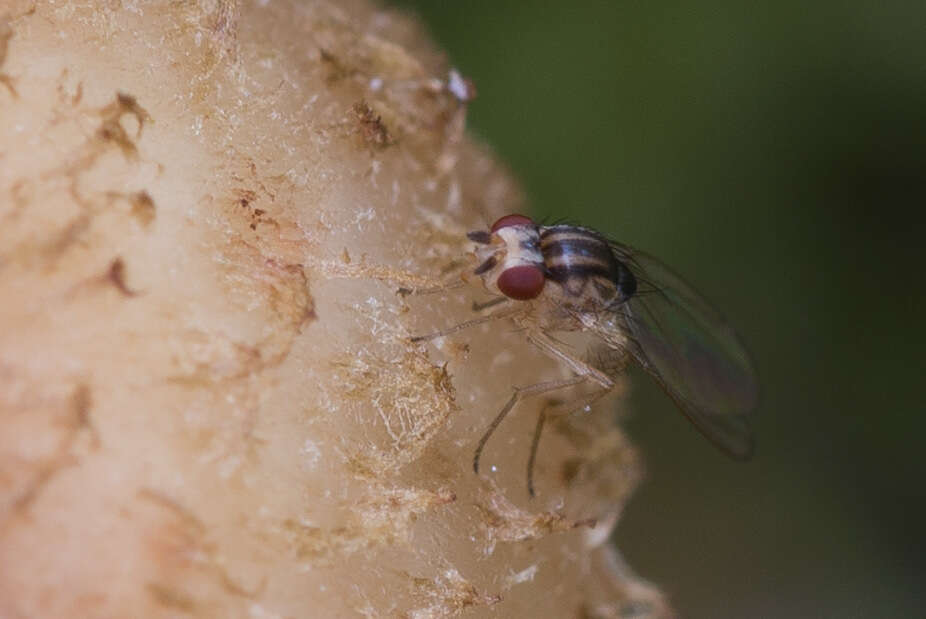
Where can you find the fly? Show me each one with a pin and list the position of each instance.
(570, 278)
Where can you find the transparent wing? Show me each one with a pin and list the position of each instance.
(691, 351)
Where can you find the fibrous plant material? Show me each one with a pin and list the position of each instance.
(209, 402)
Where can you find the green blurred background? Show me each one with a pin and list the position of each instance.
(774, 153)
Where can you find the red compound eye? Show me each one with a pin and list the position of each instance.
(522, 282)
(512, 220)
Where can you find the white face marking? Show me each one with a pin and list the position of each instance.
(521, 247)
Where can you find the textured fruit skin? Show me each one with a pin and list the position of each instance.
(208, 402)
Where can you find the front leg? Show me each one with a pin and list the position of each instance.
(507, 312)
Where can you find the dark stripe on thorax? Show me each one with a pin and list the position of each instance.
(587, 247)
(560, 273)
(584, 252)
(547, 232)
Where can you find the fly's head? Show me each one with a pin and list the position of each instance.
(510, 260)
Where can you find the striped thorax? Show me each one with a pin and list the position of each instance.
(582, 263)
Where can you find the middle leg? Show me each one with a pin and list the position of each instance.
(517, 396)
(556, 410)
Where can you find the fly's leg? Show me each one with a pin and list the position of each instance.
(555, 350)
(505, 313)
(478, 307)
(454, 276)
(519, 393)
(453, 284)
(409, 283)
(535, 443)
(555, 411)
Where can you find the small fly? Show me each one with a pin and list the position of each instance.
(563, 278)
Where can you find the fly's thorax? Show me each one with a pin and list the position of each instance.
(582, 268)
